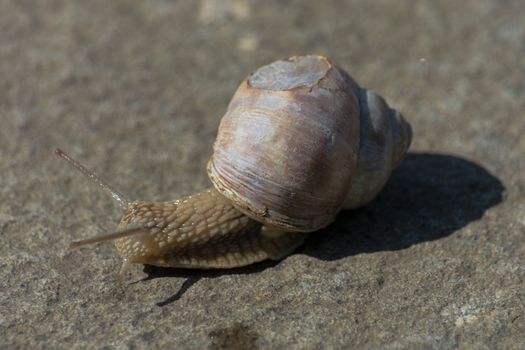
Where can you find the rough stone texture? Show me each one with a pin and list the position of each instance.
(136, 89)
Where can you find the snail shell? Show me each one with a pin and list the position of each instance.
(300, 141)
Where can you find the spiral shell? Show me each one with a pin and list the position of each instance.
(287, 149)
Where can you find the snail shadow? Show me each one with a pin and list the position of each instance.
(194, 275)
(430, 196)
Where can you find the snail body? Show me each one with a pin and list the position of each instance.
(199, 231)
(299, 142)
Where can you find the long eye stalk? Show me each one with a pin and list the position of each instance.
(119, 197)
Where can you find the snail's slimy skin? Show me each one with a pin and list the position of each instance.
(199, 231)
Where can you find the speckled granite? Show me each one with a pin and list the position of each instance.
(136, 90)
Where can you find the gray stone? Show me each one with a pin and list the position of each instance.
(135, 90)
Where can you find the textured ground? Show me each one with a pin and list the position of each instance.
(136, 90)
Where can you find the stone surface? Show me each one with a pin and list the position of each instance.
(136, 90)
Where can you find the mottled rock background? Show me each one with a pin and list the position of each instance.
(136, 90)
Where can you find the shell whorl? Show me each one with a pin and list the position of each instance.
(385, 137)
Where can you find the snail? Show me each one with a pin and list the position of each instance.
(299, 142)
